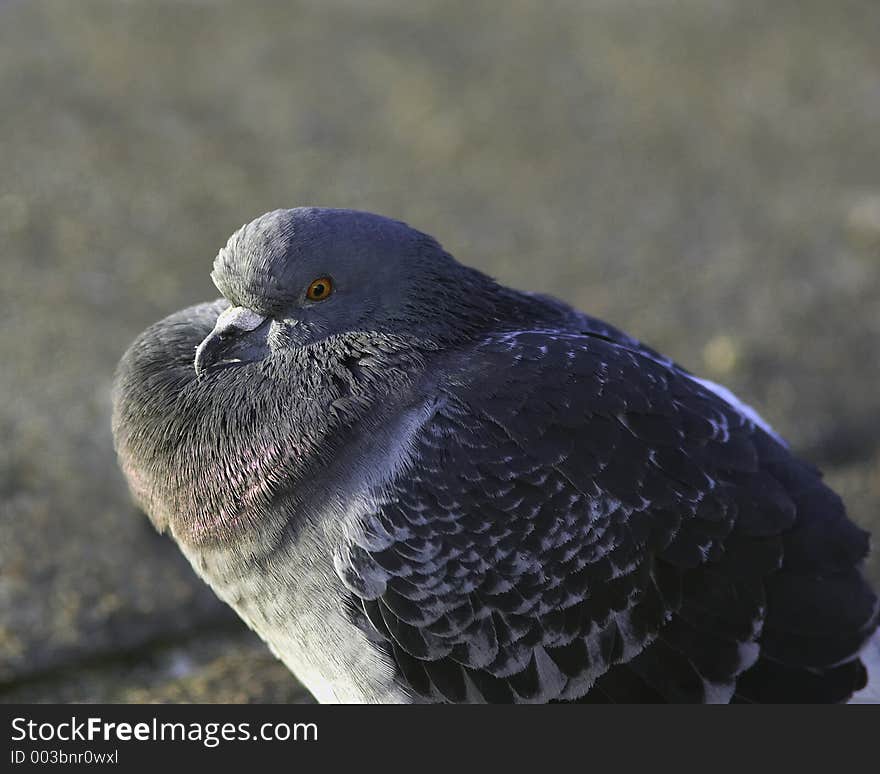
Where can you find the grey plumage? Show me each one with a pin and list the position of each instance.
(424, 486)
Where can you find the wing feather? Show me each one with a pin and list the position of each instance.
(583, 521)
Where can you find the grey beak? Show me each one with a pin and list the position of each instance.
(232, 340)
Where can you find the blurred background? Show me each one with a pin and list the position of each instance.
(703, 173)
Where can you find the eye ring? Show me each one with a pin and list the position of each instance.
(319, 289)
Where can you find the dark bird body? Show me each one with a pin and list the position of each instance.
(423, 486)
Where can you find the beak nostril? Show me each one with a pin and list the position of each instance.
(238, 318)
(238, 336)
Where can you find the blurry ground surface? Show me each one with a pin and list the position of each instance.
(705, 174)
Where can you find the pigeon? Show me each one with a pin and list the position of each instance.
(420, 486)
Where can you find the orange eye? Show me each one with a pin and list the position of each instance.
(320, 289)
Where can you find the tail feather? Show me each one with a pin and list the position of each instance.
(870, 694)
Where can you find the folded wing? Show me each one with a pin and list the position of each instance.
(582, 521)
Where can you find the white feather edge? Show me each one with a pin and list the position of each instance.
(743, 408)
(870, 694)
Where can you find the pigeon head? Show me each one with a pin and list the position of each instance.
(294, 277)
(326, 315)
